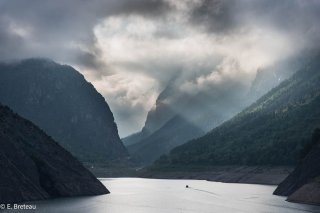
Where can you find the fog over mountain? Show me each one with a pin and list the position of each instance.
(131, 49)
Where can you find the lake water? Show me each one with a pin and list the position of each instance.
(138, 195)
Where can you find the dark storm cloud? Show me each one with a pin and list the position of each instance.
(9, 42)
(145, 7)
(89, 59)
(297, 18)
(62, 30)
(225, 16)
(215, 15)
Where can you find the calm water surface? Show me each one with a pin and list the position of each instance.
(137, 195)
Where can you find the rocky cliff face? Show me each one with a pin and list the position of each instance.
(303, 184)
(156, 118)
(60, 101)
(308, 193)
(33, 166)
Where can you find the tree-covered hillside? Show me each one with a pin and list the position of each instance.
(272, 131)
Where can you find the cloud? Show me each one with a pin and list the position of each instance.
(63, 30)
(291, 16)
(216, 15)
(203, 62)
(10, 40)
(131, 49)
(131, 94)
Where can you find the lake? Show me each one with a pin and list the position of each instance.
(138, 195)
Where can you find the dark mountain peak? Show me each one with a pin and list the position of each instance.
(59, 100)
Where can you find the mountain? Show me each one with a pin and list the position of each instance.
(34, 167)
(195, 114)
(172, 122)
(176, 131)
(160, 114)
(272, 76)
(272, 131)
(303, 184)
(163, 130)
(59, 100)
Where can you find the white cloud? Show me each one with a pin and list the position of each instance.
(131, 95)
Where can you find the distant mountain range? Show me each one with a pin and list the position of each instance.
(272, 131)
(164, 129)
(176, 132)
(35, 167)
(59, 100)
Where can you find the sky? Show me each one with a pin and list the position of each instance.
(131, 49)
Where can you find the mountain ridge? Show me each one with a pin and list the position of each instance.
(35, 167)
(272, 131)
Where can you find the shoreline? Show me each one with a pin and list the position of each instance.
(265, 175)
